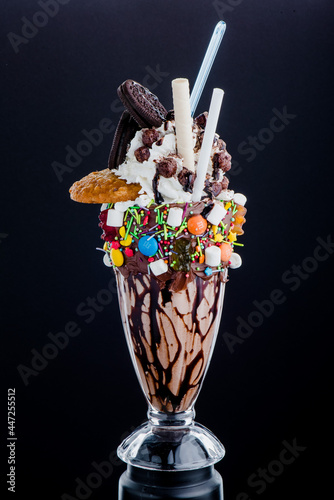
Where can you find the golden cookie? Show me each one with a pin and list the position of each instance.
(103, 187)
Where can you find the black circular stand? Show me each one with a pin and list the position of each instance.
(143, 484)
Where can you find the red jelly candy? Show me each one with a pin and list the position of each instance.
(128, 252)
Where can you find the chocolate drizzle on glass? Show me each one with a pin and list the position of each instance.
(170, 336)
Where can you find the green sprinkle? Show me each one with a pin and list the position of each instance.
(160, 253)
(134, 214)
(134, 235)
(238, 244)
(152, 201)
(128, 227)
(199, 244)
(159, 206)
(165, 232)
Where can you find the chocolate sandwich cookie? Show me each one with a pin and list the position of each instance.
(144, 106)
(125, 132)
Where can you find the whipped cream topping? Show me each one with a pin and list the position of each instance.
(135, 170)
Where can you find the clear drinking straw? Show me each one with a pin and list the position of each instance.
(209, 57)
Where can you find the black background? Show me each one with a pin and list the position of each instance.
(274, 386)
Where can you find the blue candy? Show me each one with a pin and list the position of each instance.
(208, 271)
(148, 246)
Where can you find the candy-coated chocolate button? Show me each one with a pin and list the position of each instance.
(148, 246)
(117, 257)
(226, 252)
(197, 225)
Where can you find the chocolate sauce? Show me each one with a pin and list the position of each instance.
(171, 335)
(157, 195)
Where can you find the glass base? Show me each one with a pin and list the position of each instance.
(171, 442)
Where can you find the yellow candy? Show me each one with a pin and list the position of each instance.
(214, 229)
(117, 257)
(219, 237)
(228, 205)
(232, 236)
(128, 241)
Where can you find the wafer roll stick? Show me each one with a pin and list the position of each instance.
(183, 121)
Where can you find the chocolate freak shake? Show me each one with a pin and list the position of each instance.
(171, 254)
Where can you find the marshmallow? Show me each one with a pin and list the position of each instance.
(217, 214)
(212, 256)
(122, 206)
(226, 195)
(158, 267)
(174, 218)
(235, 261)
(240, 199)
(104, 206)
(106, 260)
(115, 218)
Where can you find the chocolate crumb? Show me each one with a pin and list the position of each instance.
(142, 154)
(201, 119)
(225, 182)
(167, 167)
(216, 188)
(186, 178)
(221, 160)
(206, 210)
(157, 196)
(149, 137)
(221, 145)
(170, 116)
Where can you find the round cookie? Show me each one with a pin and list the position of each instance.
(124, 133)
(103, 187)
(144, 106)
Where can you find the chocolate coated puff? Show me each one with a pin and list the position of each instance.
(144, 106)
(125, 132)
(167, 167)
